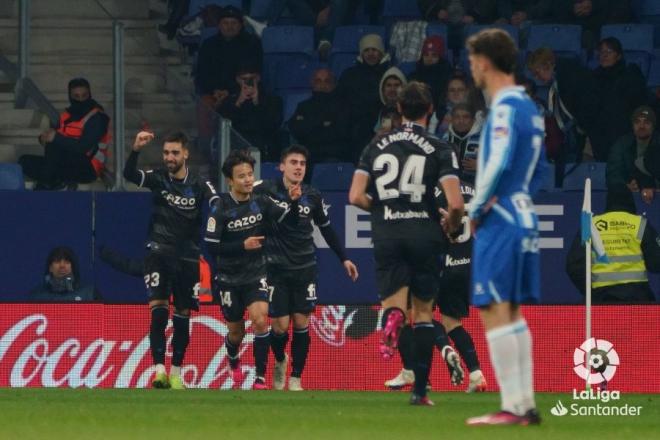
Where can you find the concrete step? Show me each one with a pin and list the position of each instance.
(8, 154)
(79, 8)
(19, 118)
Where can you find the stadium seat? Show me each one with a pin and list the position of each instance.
(259, 8)
(564, 39)
(437, 29)
(342, 61)
(334, 176)
(198, 5)
(11, 177)
(633, 37)
(270, 170)
(288, 40)
(291, 101)
(509, 29)
(575, 174)
(295, 77)
(395, 10)
(654, 74)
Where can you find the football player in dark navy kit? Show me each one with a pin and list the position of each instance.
(172, 262)
(235, 232)
(404, 166)
(291, 259)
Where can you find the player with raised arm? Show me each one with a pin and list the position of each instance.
(172, 262)
(235, 232)
(405, 165)
(505, 264)
(291, 259)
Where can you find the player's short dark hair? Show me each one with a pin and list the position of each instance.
(178, 137)
(294, 149)
(236, 157)
(415, 99)
(497, 46)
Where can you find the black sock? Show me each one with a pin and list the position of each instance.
(159, 316)
(424, 338)
(180, 339)
(260, 350)
(406, 347)
(440, 335)
(386, 314)
(232, 352)
(299, 350)
(278, 344)
(465, 346)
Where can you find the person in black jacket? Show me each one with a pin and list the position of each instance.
(321, 123)
(62, 279)
(433, 68)
(255, 114)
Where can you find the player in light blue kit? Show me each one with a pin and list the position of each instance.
(505, 265)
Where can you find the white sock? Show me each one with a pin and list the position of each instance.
(525, 363)
(175, 371)
(160, 368)
(503, 347)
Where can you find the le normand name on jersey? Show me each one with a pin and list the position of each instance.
(409, 136)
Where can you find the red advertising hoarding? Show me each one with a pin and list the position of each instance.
(97, 345)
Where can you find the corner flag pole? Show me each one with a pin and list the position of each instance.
(586, 236)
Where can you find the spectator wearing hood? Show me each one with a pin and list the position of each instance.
(626, 166)
(433, 68)
(76, 151)
(621, 89)
(463, 133)
(359, 87)
(321, 123)
(62, 279)
(392, 81)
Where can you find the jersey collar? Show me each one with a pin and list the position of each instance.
(507, 92)
(185, 178)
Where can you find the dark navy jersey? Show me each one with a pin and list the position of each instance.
(291, 245)
(404, 167)
(459, 254)
(176, 218)
(229, 224)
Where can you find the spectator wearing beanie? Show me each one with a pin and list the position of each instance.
(433, 68)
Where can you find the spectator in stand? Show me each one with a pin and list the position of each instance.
(458, 90)
(554, 137)
(178, 9)
(323, 15)
(633, 248)
(458, 13)
(62, 279)
(621, 89)
(358, 86)
(589, 14)
(76, 151)
(254, 113)
(620, 11)
(433, 68)
(572, 99)
(626, 166)
(516, 12)
(463, 133)
(390, 84)
(221, 55)
(321, 123)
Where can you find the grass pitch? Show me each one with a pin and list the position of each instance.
(310, 415)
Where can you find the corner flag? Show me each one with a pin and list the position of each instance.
(588, 230)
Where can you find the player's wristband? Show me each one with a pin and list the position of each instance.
(454, 235)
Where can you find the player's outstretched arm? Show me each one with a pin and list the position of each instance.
(357, 195)
(131, 172)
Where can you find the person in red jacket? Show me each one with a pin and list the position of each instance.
(75, 151)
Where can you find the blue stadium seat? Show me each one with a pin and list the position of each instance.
(650, 11)
(11, 177)
(342, 61)
(633, 37)
(509, 29)
(270, 170)
(347, 38)
(198, 5)
(259, 8)
(575, 174)
(291, 101)
(394, 10)
(335, 176)
(654, 74)
(437, 29)
(288, 40)
(295, 77)
(563, 39)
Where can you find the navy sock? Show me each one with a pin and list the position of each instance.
(439, 335)
(299, 350)
(424, 338)
(232, 352)
(180, 339)
(278, 343)
(465, 346)
(260, 349)
(406, 347)
(159, 316)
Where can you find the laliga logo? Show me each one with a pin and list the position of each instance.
(597, 359)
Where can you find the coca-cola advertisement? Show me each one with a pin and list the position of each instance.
(97, 345)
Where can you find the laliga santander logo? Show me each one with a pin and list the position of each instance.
(595, 359)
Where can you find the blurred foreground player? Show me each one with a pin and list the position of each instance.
(172, 262)
(505, 264)
(291, 259)
(405, 166)
(235, 232)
